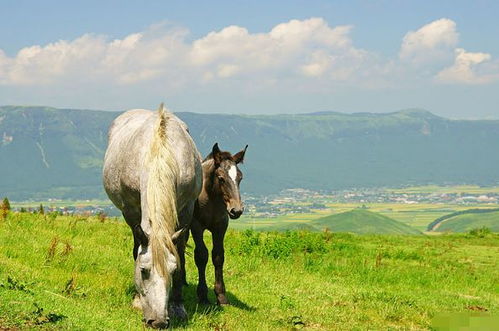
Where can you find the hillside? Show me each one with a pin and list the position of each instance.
(359, 221)
(467, 222)
(76, 273)
(47, 152)
(363, 221)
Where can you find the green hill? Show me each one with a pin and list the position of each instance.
(355, 221)
(467, 222)
(363, 221)
(57, 153)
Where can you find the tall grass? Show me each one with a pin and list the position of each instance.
(76, 273)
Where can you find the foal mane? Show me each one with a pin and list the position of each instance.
(224, 156)
(161, 194)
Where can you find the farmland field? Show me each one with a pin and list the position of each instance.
(417, 216)
(76, 273)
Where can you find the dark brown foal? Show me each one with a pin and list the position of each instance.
(219, 200)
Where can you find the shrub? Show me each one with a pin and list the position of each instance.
(277, 247)
(102, 216)
(480, 232)
(3, 212)
(6, 203)
(251, 240)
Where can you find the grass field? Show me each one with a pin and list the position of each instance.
(76, 273)
(468, 189)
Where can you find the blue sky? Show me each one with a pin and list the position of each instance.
(253, 57)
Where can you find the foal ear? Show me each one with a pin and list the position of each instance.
(239, 157)
(215, 152)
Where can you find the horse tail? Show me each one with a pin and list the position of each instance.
(161, 194)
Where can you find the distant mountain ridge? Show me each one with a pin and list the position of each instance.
(47, 152)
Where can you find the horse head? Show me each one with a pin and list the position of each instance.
(227, 178)
(153, 282)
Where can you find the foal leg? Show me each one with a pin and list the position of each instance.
(201, 258)
(217, 256)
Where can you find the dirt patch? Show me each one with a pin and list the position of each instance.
(477, 308)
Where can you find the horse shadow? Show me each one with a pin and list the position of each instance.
(193, 307)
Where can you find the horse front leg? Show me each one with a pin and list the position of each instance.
(182, 261)
(201, 258)
(217, 256)
(133, 217)
(177, 308)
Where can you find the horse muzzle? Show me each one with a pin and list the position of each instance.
(157, 324)
(234, 213)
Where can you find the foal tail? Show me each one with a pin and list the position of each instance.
(161, 194)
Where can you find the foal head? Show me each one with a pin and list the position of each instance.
(226, 177)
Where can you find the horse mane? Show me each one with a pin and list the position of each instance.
(161, 194)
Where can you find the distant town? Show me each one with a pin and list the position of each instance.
(289, 201)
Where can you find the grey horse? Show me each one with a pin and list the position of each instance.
(152, 173)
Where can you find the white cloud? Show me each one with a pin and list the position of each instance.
(466, 69)
(299, 55)
(431, 42)
(290, 47)
(295, 48)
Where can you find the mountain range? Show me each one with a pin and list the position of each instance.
(57, 153)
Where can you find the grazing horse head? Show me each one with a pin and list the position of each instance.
(226, 179)
(153, 284)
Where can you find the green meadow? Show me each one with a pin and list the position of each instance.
(468, 222)
(61, 272)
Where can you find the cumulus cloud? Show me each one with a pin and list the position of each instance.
(307, 48)
(92, 58)
(431, 42)
(302, 54)
(469, 68)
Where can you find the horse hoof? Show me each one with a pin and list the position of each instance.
(204, 302)
(136, 302)
(177, 310)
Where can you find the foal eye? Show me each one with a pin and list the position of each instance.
(221, 179)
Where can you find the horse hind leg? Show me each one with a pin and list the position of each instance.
(179, 276)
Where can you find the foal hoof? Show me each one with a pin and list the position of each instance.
(222, 301)
(177, 310)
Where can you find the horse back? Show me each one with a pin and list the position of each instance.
(124, 172)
